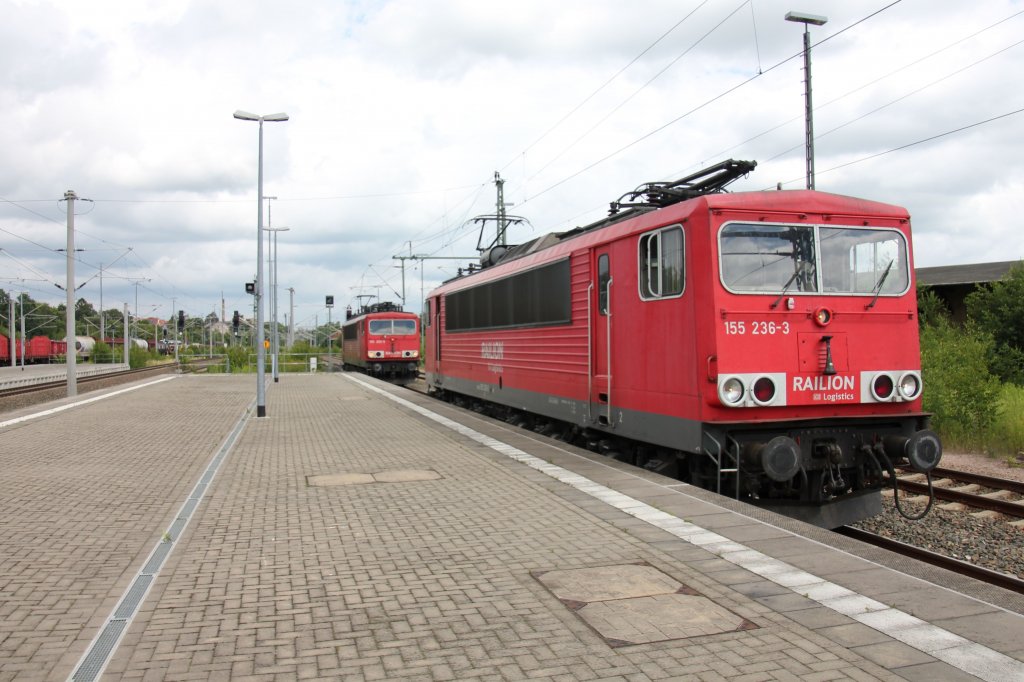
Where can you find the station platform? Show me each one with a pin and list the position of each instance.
(361, 531)
(11, 377)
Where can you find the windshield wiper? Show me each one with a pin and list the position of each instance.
(878, 286)
(785, 288)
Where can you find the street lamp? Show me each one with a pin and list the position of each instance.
(273, 297)
(807, 20)
(261, 400)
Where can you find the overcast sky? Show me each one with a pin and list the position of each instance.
(401, 111)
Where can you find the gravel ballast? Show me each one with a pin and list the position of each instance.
(991, 543)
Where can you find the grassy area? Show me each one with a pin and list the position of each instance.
(1002, 438)
(1007, 432)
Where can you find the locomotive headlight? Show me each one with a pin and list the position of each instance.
(731, 391)
(764, 391)
(910, 385)
(882, 387)
(822, 316)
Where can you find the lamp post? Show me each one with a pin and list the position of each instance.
(261, 400)
(135, 327)
(807, 20)
(71, 353)
(272, 284)
(274, 345)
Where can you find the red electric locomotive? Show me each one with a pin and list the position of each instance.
(761, 344)
(382, 341)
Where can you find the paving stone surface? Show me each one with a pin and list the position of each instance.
(291, 569)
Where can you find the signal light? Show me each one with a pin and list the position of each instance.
(764, 391)
(235, 321)
(181, 320)
(882, 387)
(250, 288)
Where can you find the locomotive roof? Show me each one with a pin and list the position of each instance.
(546, 247)
(386, 315)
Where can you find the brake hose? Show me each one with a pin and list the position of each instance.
(896, 492)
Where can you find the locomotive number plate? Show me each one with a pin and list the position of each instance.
(755, 328)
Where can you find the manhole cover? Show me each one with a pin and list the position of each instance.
(638, 604)
(339, 479)
(391, 476)
(609, 582)
(406, 475)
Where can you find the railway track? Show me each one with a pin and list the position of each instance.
(971, 491)
(981, 573)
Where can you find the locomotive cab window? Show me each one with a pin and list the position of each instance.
(661, 268)
(864, 261)
(404, 326)
(382, 327)
(781, 259)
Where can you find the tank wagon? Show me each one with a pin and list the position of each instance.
(383, 341)
(759, 344)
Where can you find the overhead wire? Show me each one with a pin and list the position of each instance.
(724, 152)
(608, 82)
(636, 92)
(704, 104)
(914, 144)
(898, 99)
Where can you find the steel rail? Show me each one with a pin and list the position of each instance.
(1004, 580)
(1015, 509)
(978, 479)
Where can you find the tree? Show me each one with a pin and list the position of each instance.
(998, 310)
(930, 308)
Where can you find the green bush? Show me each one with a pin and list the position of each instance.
(102, 353)
(1008, 429)
(241, 359)
(138, 357)
(959, 390)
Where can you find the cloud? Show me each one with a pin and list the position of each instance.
(401, 112)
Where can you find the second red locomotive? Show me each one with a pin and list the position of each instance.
(383, 341)
(762, 344)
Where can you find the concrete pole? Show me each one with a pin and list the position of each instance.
(21, 302)
(103, 331)
(291, 317)
(69, 321)
(14, 336)
(127, 336)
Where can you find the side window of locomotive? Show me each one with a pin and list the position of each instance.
(603, 277)
(864, 261)
(533, 298)
(768, 259)
(661, 267)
